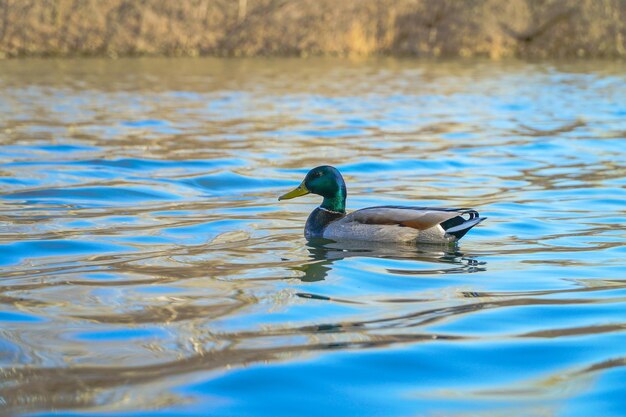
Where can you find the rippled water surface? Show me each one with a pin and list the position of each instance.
(147, 267)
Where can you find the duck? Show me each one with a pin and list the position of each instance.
(406, 224)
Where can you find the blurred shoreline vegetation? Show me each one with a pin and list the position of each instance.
(421, 28)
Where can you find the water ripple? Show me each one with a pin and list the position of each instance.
(147, 267)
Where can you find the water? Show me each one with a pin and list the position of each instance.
(148, 269)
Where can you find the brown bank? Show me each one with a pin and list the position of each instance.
(431, 28)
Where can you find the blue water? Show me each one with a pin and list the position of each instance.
(147, 268)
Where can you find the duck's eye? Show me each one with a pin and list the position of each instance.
(317, 174)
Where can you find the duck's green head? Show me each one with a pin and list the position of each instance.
(325, 181)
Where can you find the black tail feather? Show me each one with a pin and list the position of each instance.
(458, 226)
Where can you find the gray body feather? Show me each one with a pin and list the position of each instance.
(393, 224)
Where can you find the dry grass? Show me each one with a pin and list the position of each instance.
(492, 28)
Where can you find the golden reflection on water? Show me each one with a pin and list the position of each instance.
(144, 249)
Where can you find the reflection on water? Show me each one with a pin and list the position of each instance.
(325, 252)
(146, 267)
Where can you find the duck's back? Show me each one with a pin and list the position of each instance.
(403, 224)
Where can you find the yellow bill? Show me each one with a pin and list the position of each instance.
(299, 191)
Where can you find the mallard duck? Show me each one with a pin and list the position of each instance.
(381, 223)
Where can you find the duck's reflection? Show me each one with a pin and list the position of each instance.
(448, 258)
